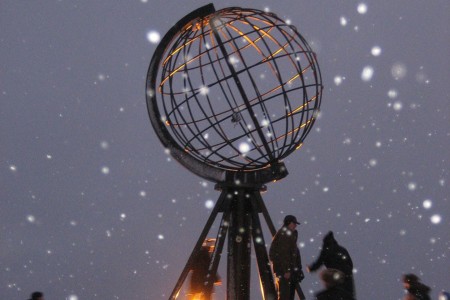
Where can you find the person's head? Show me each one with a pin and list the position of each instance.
(328, 239)
(331, 277)
(37, 296)
(409, 280)
(290, 222)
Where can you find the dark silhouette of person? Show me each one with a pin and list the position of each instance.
(332, 279)
(286, 260)
(334, 256)
(415, 289)
(200, 271)
(37, 296)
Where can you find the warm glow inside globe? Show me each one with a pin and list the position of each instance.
(238, 89)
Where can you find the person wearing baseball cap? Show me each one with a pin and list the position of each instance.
(286, 260)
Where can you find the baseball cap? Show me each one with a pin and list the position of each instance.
(290, 219)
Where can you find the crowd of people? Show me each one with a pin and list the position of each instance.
(337, 276)
(287, 265)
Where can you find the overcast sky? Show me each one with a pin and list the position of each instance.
(93, 208)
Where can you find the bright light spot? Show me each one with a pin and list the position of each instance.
(266, 9)
(367, 73)
(72, 297)
(31, 219)
(378, 144)
(160, 237)
(427, 204)
(403, 232)
(122, 216)
(412, 186)
(398, 105)
(436, 219)
(376, 51)
(392, 93)
(288, 21)
(338, 80)
(343, 21)
(105, 170)
(244, 148)
(49, 156)
(13, 168)
(150, 92)
(209, 204)
(373, 162)
(206, 136)
(153, 36)
(104, 145)
(326, 189)
(108, 233)
(233, 60)
(101, 77)
(142, 193)
(265, 123)
(73, 223)
(398, 71)
(204, 90)
(362, 8)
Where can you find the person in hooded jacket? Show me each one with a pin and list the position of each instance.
(415, 289)
(332, 280)
(334, 256)
(286, 260)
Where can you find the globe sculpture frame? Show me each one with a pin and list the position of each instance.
(230, 94)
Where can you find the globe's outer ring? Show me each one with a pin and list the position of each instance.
(203, 170)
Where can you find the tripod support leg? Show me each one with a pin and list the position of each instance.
(265, 271)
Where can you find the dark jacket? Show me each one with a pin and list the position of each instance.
(284, 254)
(418, 291)
(333, 256)
(334, 293)
(200, 271)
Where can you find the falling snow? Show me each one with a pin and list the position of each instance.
(153, 37)
(367, 73)
(92, 202)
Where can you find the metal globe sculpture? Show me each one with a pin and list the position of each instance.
(232, 90)
(231, 93)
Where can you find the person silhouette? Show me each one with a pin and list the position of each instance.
(415, 289)
(332, 279)
(200, 272)
(37, 296)
(334, 256)
(286, 261)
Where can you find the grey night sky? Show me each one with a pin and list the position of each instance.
(93, 208)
